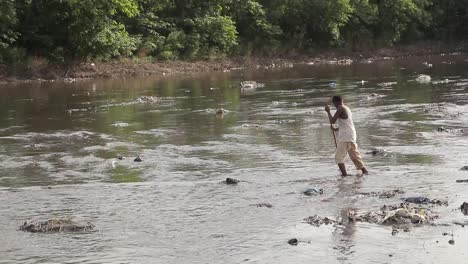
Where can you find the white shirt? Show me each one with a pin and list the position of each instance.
(346, 130)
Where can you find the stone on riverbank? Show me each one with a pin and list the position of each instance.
(55, 225)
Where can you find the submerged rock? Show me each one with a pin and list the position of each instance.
(293, 241)
(267, 205)
(464, 208)
(56, 225)
(231, 181)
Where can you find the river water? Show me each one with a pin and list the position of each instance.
(59, 144)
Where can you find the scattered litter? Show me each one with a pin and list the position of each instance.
(427, 65)
(387, 84)
(384, 194)
(147, 100)
(374, 96)
(379, 152)
(318, 221)
(251, 85)
(424, 200)
(120, 124)
(55, 225)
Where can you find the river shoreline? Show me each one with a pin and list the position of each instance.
(39, 70)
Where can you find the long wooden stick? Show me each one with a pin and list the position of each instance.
(334, 137)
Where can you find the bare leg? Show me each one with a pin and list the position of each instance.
(364, 170)
(342, 169)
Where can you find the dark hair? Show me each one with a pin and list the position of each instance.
(337, 99)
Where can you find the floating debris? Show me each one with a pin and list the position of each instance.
(424, 200)
(120, 124)
(147, 100)
(267, 205)
(387, 84)
(313, 191)
(450, 130)
(221, 111)
(379, 152)
(427, 65)
(231, 181)
(318, 221)
(373, 96)
(423, 78)
(383, 194)
(251, 85)
(56, 225)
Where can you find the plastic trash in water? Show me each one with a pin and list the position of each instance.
(312, 191)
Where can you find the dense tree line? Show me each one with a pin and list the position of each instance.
(67, 30)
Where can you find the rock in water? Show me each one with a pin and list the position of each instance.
(56, 225)
(138, 159)
(464, 208)
(293, 242)
(464, 168)
(231, 181)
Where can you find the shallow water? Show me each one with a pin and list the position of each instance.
(58, 158)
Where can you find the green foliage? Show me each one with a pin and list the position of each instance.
(8, 22)
(64, 30)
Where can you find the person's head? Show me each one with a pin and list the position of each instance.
(337, 100)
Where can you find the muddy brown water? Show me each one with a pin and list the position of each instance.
(172, 208)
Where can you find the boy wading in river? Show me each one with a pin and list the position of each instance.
(346, 136)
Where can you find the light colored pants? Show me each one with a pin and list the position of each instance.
(351, 149)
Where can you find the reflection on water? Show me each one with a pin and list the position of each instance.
(59, 145)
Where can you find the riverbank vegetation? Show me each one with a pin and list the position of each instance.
(63, 31)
